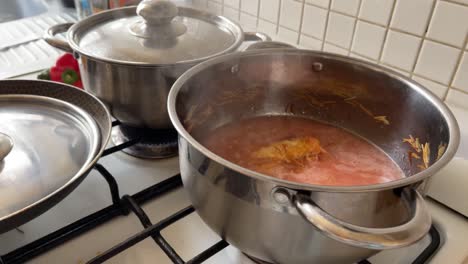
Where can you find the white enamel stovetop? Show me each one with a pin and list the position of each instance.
(189, 236)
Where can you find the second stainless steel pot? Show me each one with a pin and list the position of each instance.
(281, 221)
(130, 62)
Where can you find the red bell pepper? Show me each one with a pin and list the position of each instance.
(66, 70)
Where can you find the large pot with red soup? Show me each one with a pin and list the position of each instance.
(298, 156)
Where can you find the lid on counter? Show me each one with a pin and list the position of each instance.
(45, 143)
(157, 32)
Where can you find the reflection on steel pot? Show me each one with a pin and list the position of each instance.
(55, 134)
(130, 61)
(287, 222)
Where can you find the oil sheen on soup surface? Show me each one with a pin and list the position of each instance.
(302, 150)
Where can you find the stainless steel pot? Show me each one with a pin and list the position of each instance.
(130, 62)
(286, 222)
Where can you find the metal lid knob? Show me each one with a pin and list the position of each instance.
(157, 12)
(157, 22)
(6, 145)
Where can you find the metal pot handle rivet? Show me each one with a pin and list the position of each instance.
(317, 66)
(365, 237)
(281, 196)
(6, 145)
(52, 40)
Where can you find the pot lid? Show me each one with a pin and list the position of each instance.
(154, 33)
(45, 142)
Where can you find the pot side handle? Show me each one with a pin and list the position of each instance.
(256, 36)
(372, 238)
(50, 38)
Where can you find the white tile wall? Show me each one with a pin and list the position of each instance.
(400, 50)
(449, 23)
(310, 43)
(248, 22)
(457, 98)
(436, 88)
(368, 39)
(437, 61)
(314, 21)
(322, 3)
(334, 49)
(349, 7)
(426, 40)
(215, 8)
(231, 13)
(340, 29)
(250, 6)
(291, 12)
(461, 79)
(377, 11)
(269, 10)
(412, 16)
(232, 3)
(288, 35)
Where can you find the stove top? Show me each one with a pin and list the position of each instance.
(100, 222)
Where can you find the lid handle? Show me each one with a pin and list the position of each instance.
(158, 20)
(157, 12)
(6, 144)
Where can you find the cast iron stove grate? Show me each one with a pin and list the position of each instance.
(123, 205)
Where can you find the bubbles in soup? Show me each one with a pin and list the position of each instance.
(302, 150)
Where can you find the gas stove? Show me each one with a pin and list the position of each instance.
(103, 219)
(131, 210)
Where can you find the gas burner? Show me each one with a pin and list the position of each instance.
(152, 144)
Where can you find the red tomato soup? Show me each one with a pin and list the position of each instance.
(302, 150)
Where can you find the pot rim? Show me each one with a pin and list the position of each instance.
(72, 36)
(454, 132)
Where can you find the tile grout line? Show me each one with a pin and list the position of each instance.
(258, 14)
(456, 3)
(458, 90)
(336, 46)
(395, 29)
(387, 32)
(387, 27)
(325, 30)
(423, 39)
(353, 36)
(457, 67)
(278, 17)
(238, 7)
(300, 23)
(222, 7)
(448, 1)
(427, 38)
(321, 7)
(239, 14)
(428, 79)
